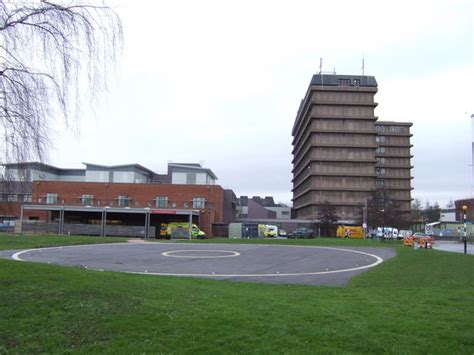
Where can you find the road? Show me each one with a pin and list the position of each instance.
(456, 247)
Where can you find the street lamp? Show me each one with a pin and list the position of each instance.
(464, 210)
(364, 217)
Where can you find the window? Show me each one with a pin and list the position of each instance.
(356, 82)
(87, 200)
(380, 150)
(344, 82)
(12, 198)
(380, 171)
(380, 183)
(185, 205)
(162, 202)
(380, 128)
(380, 139)
(381, 160)
(123, 201)
(395, 129)
(51, 199)
(191, 178)
(285, 213)
(199, 202)
(26, 198)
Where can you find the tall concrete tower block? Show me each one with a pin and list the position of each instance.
(340, 151)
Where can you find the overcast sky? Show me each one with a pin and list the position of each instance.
(220, 82)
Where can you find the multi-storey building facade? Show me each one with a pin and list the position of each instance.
(335, 148)
(393, 168)
(36, 192)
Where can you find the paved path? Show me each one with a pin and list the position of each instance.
(456, 247)
(241, 262)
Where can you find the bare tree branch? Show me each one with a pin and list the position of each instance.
(50, 52)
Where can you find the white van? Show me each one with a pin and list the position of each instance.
(387, 233)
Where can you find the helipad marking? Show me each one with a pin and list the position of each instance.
(378, 261)
(230, 253)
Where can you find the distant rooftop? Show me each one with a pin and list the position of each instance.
(149, 174)
(345, 80)
(193, 166)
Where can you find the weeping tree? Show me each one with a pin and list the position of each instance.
(53, 57)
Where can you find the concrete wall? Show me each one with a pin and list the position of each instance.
(257, 211)
(281, 212)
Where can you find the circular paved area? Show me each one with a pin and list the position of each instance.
(262, 263)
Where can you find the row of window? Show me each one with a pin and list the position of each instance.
(393, 129)
(15, 197)
(348, 82)
(124, 201)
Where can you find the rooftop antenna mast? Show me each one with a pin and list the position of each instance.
(321, 71)
(363, 65)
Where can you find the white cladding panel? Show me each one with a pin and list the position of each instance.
(97, 176)
(78, 177)
(210, 180)
(201, 179)
(41, 175)
(447, 217)
(178, 178)
(123, 176)
(140, 178)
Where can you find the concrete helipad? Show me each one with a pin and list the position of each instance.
(242, 262)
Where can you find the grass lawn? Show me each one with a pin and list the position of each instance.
(16, 241)
(419, 302)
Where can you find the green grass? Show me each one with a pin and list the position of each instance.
(16, 241)
(419, 302)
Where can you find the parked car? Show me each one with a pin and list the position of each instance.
(302, 232)
(270, 231)
(282, 233)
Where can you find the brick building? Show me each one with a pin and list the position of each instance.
(52, 192)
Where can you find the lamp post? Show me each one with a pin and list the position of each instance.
(106, 195)
(464, 210)
(364, 215)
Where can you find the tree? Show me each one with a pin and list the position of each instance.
(450, 204)
(432, 212)
(383, 211)
(49, 53)
(416, 211)
(328, 217)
